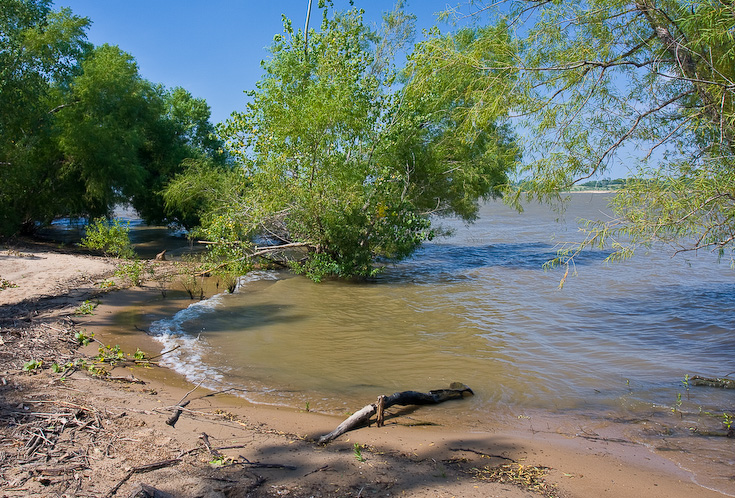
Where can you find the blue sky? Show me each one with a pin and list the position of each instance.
(211, 48)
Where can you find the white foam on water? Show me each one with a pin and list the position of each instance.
(255, 276)
(188, 347)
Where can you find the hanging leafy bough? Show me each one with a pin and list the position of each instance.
(342, 168)
(595, 85)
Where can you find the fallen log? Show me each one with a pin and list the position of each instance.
(723, 382)
(456, 391)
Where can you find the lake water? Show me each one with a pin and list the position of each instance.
(478, 308)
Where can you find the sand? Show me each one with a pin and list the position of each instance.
(80, 435)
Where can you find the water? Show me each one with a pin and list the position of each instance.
(477, 308)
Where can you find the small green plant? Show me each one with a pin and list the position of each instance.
(221, 461)
(7, 284)
(727, 421)
(677, 406)
(306, 407)
(32, 366)
(686, 384)
(83, 339)
(106, 284)
(110, 237)
(132, 272)
(110, 354)
(358, 453)
(86, 308)
(139, 355)
(56, 368)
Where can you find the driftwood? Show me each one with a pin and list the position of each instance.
(723, 383)
(456, 391)
(175, 417)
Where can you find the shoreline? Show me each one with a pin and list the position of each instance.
(416, 460)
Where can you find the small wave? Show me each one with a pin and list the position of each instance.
(255, 276)
(188, 350)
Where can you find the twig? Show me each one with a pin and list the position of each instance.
(320, 469)
(205, 440)
(139, 470)
(165, 352)
(258, 465)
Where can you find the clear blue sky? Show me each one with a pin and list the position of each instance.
(212, 48)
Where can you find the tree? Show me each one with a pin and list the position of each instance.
(80, 130)
(595, 82)
(345, 165)
(38, 48)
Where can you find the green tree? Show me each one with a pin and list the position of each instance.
(593, 83)
(345, 165)
(38, 48)
(80, 129)
(180, 134)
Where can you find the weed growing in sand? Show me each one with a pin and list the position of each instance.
(83, 339)
(86, 308)
(7, 284)
(221, 461)
(132, 272)
(677, 406)
(727, 421)
(32, 366)
(106, 284)
(358, 453)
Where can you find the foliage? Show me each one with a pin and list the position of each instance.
(132, 271)
(86, 308)
(341, 163)
(357, 452)
(109, 236)
(83, 339)
(7, 284)
(32, 366)
(595, 84)
(80, 129)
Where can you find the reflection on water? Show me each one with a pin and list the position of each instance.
(478, 308)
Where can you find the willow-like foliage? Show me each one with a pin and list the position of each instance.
(648, 84)
(346, 163)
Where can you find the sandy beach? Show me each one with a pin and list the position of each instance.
(69, 433)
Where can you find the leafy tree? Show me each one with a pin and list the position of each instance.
(343, 164)
(594, 83)
(180, 134)
(80, 129)
(38, 48)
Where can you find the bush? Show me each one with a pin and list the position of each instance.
(109, 236)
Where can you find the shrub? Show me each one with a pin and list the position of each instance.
(110, 237)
